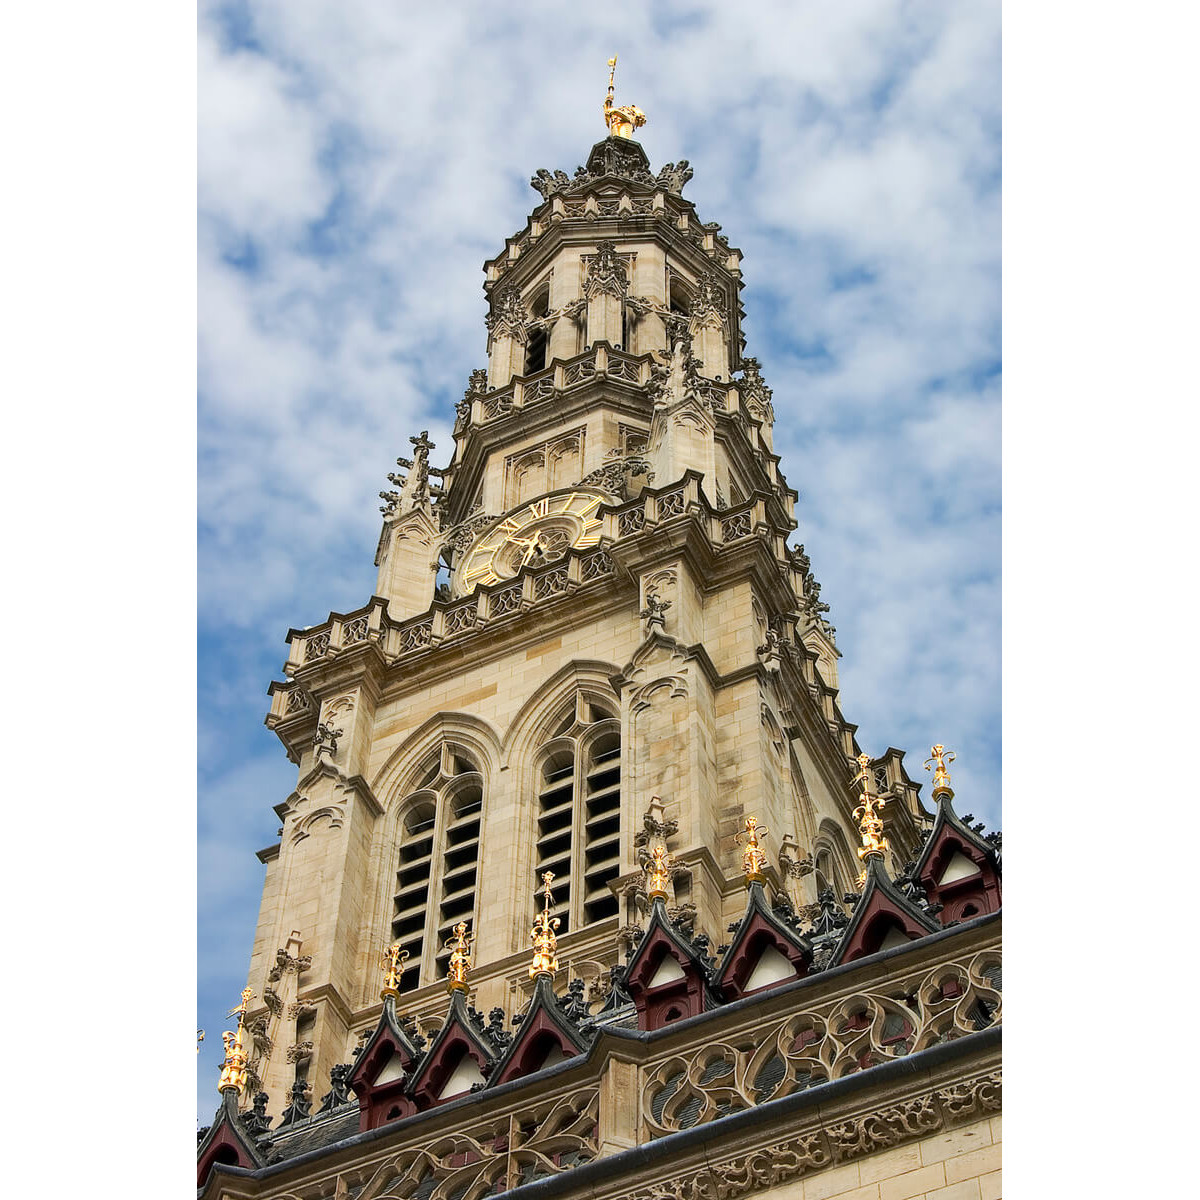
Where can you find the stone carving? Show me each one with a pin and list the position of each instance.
(606, 274)
(708, 305)
(965, 1101)
(889, 1127)
(507, 317)
(756, 395)
(616, 473)
(655, 614)
(325, 740)
(853, 1033)
(497, 1154)
(674, 176)
(256, 1121)
(300, 1107)
(476, 386)
(495, 1031)
(339, 1091)
(573, 1005)
(415, 489)
(289, 964)
(299, 1052)
(548, 184)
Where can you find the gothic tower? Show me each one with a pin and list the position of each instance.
(591, 671)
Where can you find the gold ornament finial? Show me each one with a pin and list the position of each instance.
(621, 122)
(754, 861)
(392, 961)
(199, 1039)
(541, 936)
(870, 823)
(658, 868)
(460, 959)
(941, 758)
(233, 1069)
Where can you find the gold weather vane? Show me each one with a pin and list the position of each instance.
(621, 122)
(658, 868)
(754, 861)
(233, 1069)
(870, 823)
(392, 961)
(541, 936)
(460, 960)
(941, 777)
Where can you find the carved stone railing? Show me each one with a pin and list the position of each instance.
(841, 1031)
(534, 1142)
(823, 1042)
(457, 619)
(600, 362)
(443, 622)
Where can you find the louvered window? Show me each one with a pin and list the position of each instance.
(438, 857)
(579, 814)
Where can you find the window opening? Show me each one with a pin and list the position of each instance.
(443, 815)
(579, 789)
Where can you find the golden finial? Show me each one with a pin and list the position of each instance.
(754, 861)
(621, 122)
(199, 1039)
(541, 936)
(233, 1069)
(392, 961)
(870, 823)
(658, 867)
(460, 959)
(941, 777)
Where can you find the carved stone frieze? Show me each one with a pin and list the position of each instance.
(606, 273)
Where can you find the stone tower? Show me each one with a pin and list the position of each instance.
(589, 641)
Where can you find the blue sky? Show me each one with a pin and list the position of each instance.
(358, 162)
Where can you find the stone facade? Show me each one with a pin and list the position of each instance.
(588, 634)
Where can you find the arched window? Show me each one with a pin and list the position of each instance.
(535, 347)
(438, 870)
(579, 812)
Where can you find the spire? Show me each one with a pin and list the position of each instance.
(233, 1069)
(941, 757)
(754, 860)
(870, 823)
(542, 937)
(460, 959)
(621, 122)
(392, 961)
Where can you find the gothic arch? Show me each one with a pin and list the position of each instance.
(472, 748)
(592, 677)
(831, 838)
(557, 747)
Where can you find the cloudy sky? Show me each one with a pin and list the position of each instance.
(357, 163)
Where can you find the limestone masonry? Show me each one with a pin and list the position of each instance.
(591, 655)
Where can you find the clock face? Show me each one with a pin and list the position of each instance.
(535, 533)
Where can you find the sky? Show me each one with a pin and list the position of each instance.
(357, 164)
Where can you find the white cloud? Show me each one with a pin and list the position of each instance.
(370, 157)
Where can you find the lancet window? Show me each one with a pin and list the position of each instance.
(438, 869)
(539, 338)
(579, 812)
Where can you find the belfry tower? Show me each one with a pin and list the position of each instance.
(595, 696)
